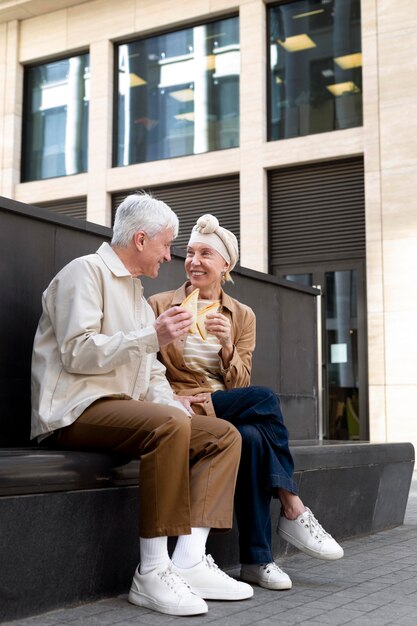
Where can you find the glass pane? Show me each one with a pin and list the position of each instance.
(303, 279)
(315, 67)
(56, 118)
(178, 93)
(342, 354)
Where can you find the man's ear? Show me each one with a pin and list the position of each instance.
(138, 239)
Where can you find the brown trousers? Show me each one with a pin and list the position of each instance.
(188, 465)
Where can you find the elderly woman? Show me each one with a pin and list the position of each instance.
(210, 374)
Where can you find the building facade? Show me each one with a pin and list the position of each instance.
(293, 121)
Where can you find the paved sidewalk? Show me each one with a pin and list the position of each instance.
(375, 584)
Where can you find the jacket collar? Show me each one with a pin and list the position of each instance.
(226, 301)
(112, 261)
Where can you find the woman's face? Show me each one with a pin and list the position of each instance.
(204, 266)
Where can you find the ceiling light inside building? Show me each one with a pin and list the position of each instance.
(349, 61)
(182, 95)
(189, 117)
(211, 62)
(327, 73)
(296, 17)
(135, 80)
(339, 89)
(297, 43)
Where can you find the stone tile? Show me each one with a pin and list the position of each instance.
(43, 36)
(108, 23)
(398, 137)
(396, 17)
(401, 346)
(400, 425)
(398, 65)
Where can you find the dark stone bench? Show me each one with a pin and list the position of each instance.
(69, 520)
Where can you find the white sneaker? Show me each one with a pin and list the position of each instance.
(306, 534)
(208, 581)
(165, 591)
(269, 576)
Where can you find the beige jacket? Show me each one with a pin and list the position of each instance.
(95, 338)
(185, 381)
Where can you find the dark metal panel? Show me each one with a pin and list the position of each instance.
(74, 207)
(32, 251)
(219, 196)
(44, 215)
(317, 212)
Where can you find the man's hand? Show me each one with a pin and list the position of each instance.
(187, 401)
(171, 324)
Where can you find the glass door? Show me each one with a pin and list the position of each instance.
(344, 354)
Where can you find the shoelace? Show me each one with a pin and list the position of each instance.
(209, 561)
(174, 581)
(315, 528)
(272, 566)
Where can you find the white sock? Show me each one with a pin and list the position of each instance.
(190, 549)
(153, 554)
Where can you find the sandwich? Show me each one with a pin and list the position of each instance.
(201, 317)
(190, 304)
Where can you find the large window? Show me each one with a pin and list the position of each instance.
(315, 67)
(178, 93)
(55, 122)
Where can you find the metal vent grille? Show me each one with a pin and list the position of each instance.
(317, 213)
(218, 196)
(74, 207)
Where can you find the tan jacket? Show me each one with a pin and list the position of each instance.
(185, 381)
(95, 338)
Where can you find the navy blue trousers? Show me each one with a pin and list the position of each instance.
(266, 464)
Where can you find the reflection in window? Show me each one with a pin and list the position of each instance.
(302, 279)
(55, 124)
(342, 357)
(315, 67)
(178, 93)
(341, 327)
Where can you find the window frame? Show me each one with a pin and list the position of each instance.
(142, 37)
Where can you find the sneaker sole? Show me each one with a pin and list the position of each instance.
(266, 585)
(145, 601)
(209, 594)
(333, 556)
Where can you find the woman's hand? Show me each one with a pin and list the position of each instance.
(187, 401)
(219, 325)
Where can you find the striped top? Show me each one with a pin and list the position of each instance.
(203, 356)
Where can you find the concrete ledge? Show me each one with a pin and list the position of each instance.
(68, 520)
(26, 471)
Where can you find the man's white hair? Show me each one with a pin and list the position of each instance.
(141, 211)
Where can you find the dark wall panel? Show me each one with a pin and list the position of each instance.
(219, 196)
(317, 213)
(73, 207)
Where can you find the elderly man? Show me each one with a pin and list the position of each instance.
(97, 385)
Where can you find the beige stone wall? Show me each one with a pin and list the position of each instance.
(393, 266)
(388, 140)
(11, 94)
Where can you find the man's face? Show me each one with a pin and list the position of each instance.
(155, 251)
